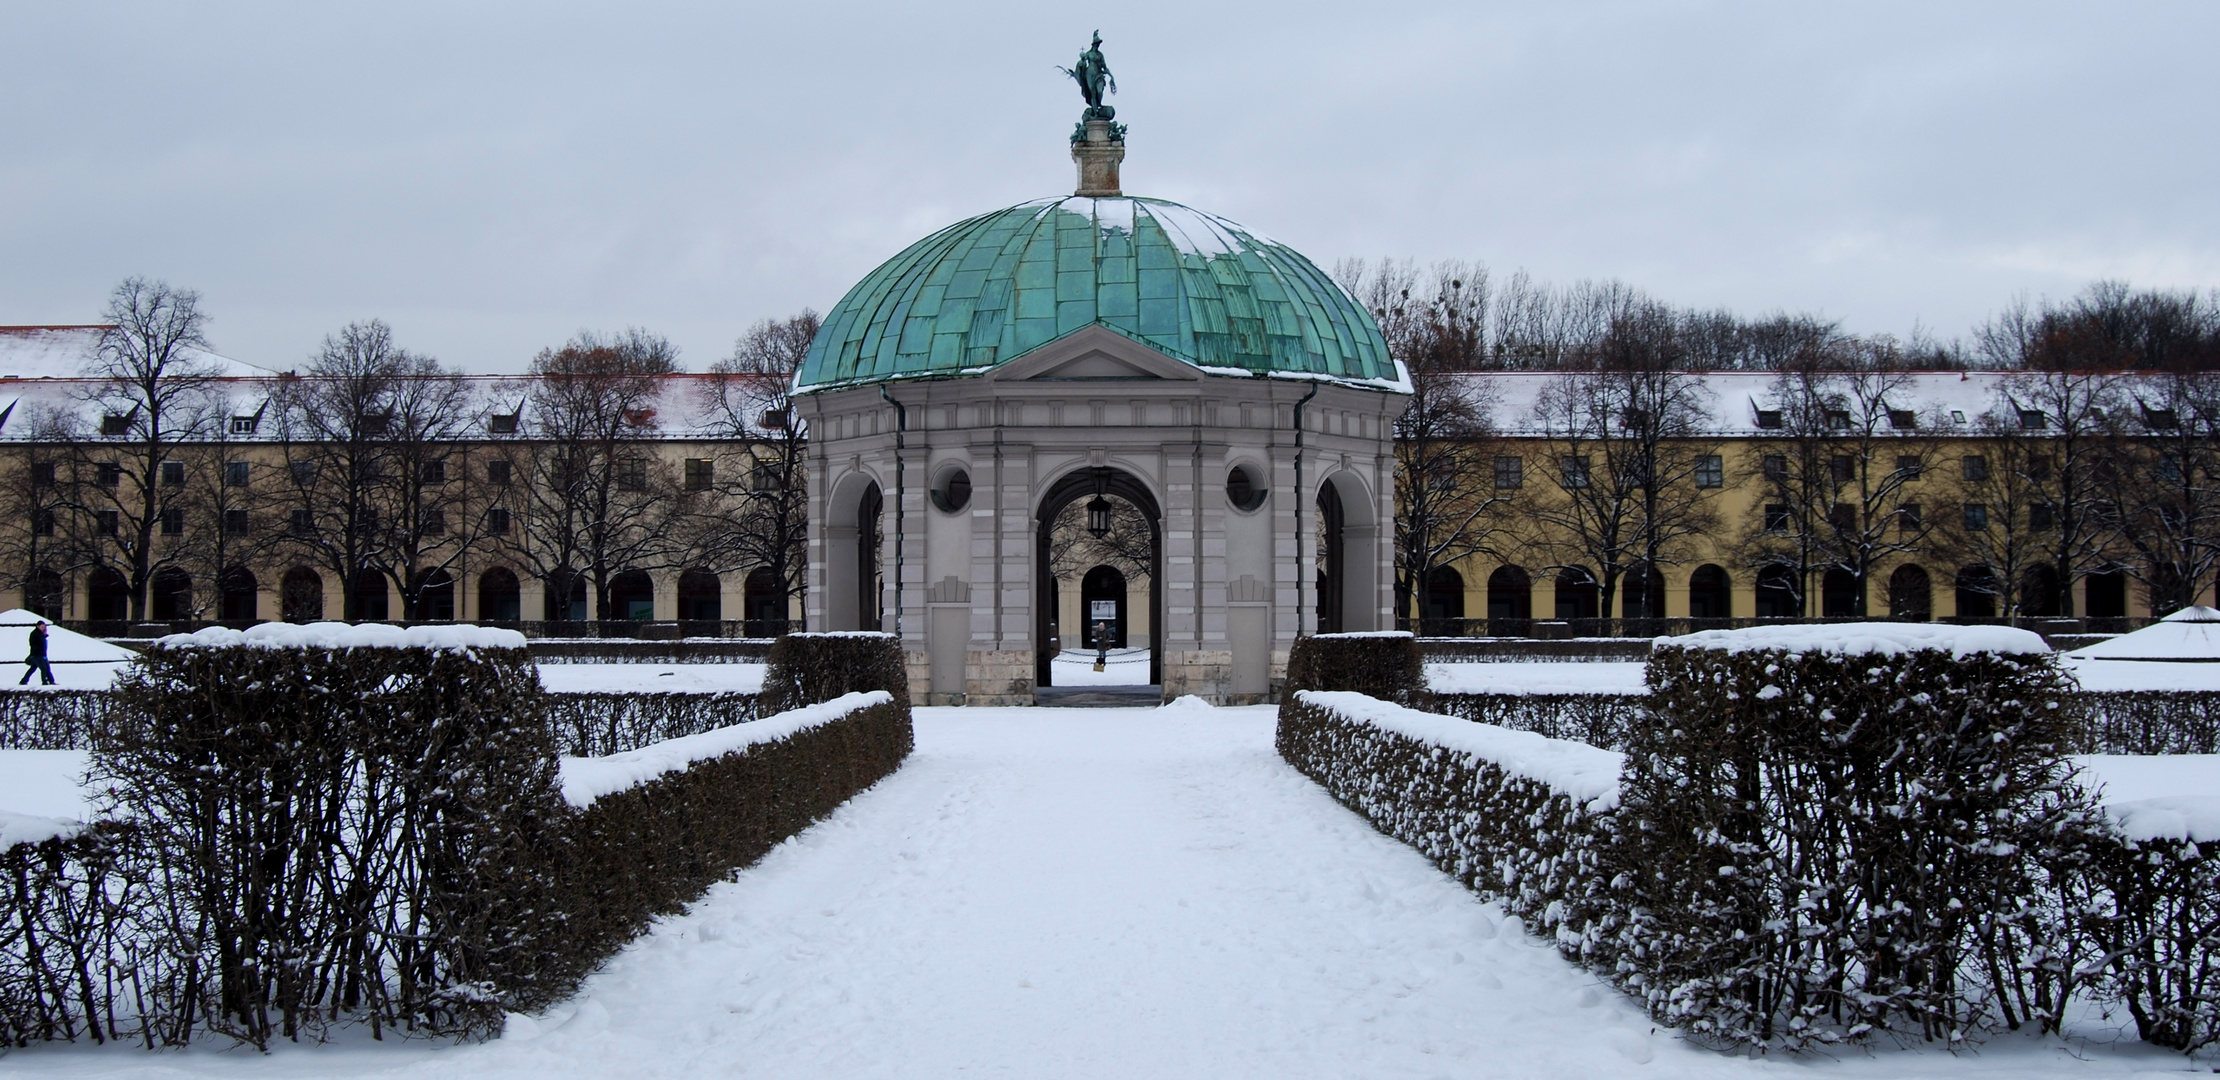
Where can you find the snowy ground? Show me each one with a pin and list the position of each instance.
(1113, 893)
(653, 678)
(1548, 677)
(1076, 667)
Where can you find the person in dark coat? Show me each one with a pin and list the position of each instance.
(36, 662)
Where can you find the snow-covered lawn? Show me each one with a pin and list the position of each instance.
(1092, 893)
(653, 678)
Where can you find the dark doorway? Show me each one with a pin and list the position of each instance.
(2105, 594)
(170, 595)
(1777, 594)
(870, 588)
(1710, 593)
(631, 597)
(1576, 593)
(1510, 596)
(1442, 609)
(372, 600)
(435, 600)
(1977, 589)
(301, 595)
(1838, 594)
(499, 598)
(1102, 603)
(701, 596)
(1088, 484)
(1642, 594)
(1911, 596)
(238, 596)
(1333, 557)
(107, 595)
(566, 596)
(763, 603)
(2039, 591)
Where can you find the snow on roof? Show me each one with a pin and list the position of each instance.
(1955, 398)
(587, 779)
(1868, 637)
(2191, 635)
(1586, 774)
(62, 352)
(338, 635)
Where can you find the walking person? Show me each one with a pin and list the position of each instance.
(36, 662)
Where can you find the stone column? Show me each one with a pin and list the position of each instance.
(1097, 156)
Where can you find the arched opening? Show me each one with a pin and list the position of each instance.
(301, 595)
(1086, 485)
(1576, 593)
(44, 594)
(1333, 559)
(2104, 594)
(701, 596)
(1910, 594)
(1642, 593)
(565, 596)
(853, 586)
(2039, 591)
(238, 596)
(1510, 601)
(107, 595)
(763, 603)
(1977, 590)
(170, 595)
(499, 597)
(1838, 594)
(371, 599)
(631, 597)
(1102, 608)
(1442, 608)
(435, 599)
(1777, 594)
(1710, 593)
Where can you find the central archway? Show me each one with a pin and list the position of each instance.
(1086, 483)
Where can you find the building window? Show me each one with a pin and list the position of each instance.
(173, 474)
(1907, 519)
(115, 424)
(235, 523)
(235, 474)
(1776, 518)
(1909, 466)
(1769, 419)
(302, 522)
(42, 522)
(1576, 472)
(497, 472)
(434, 472)
(700, 473)
(1776, 467)
(434, 523)
(42, 473)
(502, 423)
(1842, 518)
(1510, 472)
(375, 424)
(1977, 517)
(2041, 518)
(1842, 468)
(766, 477)
(107, 474)
(1977, 467)
(108, 522)
(2169, 468)
(304, 472)
(2033, 419)
(1903, 419)
(173, 522)
(2038, 467)
(1711, 471)
(242, 425)
(497, 522)
(632, 475)
(1838, 418)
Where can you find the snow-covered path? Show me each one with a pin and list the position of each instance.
(1085, 893)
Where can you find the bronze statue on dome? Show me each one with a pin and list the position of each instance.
(1095, 81)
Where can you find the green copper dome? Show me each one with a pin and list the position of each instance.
(986, 291)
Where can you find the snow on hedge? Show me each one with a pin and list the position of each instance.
(1537, 678)
(586, 779)
(1366, 634)
(2192, 634)
(652, 678)
(1588, 775)
(32, 829)
(841, 633)
(1872, 637)
(2150, 797)
(2118, 676)
(454, 637)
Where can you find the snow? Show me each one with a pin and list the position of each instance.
(79, 662)
(1737, 397)
(1369, 634)
(42, 794)
(1076, 667)
(2122, 675)
(586, 779)
(1873, 637)
(652, 678)
(455, 637)
(2151, 796)
(1588, 774)
(1053, 893)
(844, 633)
(1546, 677)
(2191, 634)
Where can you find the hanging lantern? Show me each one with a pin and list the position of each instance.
(1098, 517)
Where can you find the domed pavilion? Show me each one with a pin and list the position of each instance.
(1097, 347)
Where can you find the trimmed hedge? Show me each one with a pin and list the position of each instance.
(71, 949)
(1596, 719)
(1387, 666)
(50, 719)
(808, 668)
(2153, 721)
(594, 724)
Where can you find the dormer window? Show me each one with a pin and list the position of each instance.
(2033, 420)
(2160, 419)
(774, 419)
(242, 425)
(502, 423)
(115, 424)
(1957, 416)
(1903, 419)
(1769, 419)
(1838, 418)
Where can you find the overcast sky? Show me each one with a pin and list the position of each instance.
(491, 178)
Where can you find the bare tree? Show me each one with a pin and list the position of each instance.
(2077, 414)
(38, 494)
(759, 517)
(1999, 531)
(335, 437)
(153, 396)
(2168, 483)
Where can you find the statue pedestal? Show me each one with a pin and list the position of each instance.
(1098, 156)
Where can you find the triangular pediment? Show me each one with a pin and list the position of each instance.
(1094, 354)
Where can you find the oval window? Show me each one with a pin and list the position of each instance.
(1242, 490)
(953, 493)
